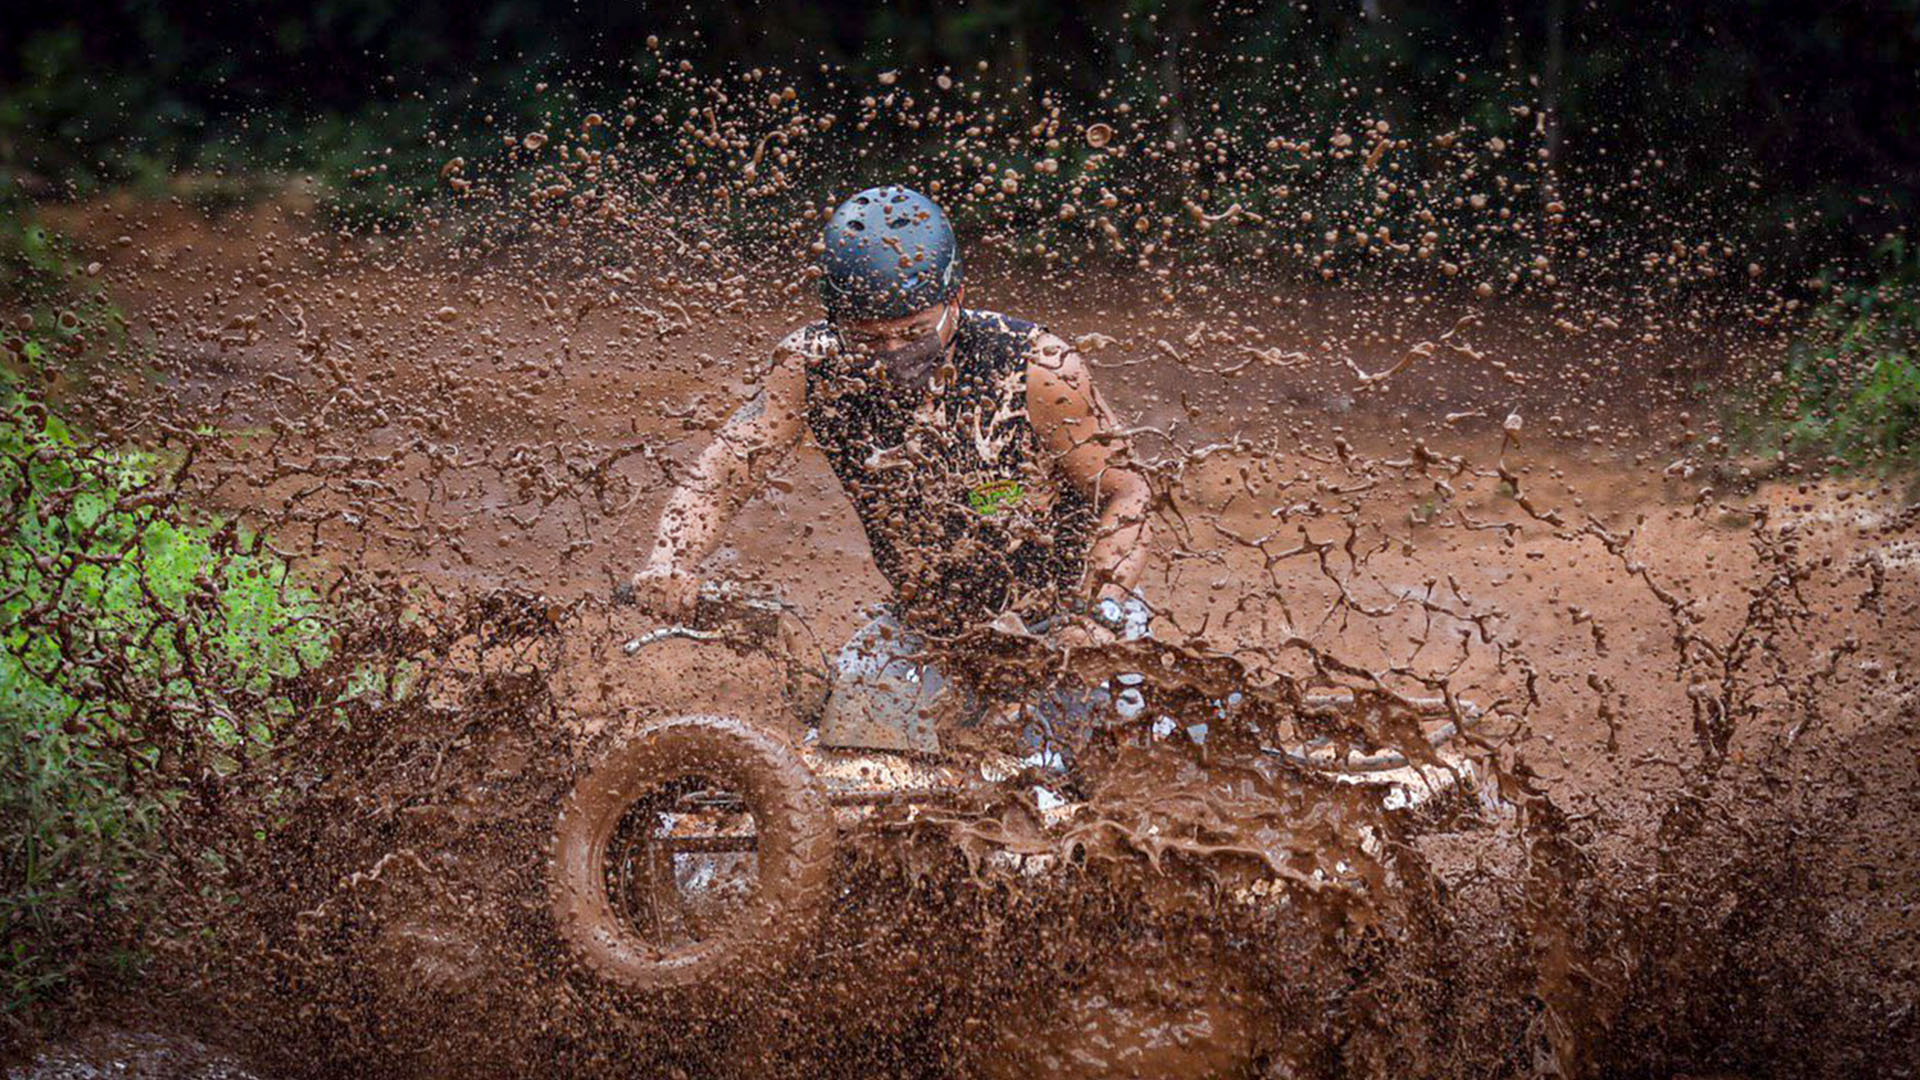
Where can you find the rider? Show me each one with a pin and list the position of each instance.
(990, 477)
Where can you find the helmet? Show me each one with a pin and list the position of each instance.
(889, 253)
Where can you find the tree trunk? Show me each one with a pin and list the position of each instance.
(1550, 109)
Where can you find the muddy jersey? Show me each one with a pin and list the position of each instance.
(966, 514)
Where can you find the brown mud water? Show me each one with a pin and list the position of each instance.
(1679, 839)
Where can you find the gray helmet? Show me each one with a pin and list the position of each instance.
(889, 253)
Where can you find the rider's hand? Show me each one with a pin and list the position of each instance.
(1081, 632)
(665, 590)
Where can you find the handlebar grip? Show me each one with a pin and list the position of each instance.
(723, 611)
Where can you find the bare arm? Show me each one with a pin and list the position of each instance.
(1084, 437)
(730, 469)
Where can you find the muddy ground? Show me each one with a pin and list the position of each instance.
(1692, 852)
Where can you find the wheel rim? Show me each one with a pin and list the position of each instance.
(683, 863)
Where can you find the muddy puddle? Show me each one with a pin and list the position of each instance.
(1652, 814)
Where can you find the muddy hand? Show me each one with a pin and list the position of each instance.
(668, 592)
(1081, 632)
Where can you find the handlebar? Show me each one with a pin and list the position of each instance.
(730, 612)
(724, 611)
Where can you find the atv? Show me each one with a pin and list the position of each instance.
(700, 847)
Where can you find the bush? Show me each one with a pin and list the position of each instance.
(1849, 389)
(143, 646)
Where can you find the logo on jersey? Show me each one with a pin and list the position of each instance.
(994, 496)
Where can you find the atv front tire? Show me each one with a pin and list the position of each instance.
(792, 840)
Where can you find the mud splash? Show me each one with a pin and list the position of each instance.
(1472, 474)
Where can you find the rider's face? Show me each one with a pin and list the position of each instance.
(910, 348)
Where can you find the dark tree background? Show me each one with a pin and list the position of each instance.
(1818, 103)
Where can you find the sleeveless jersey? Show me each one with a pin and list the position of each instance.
(966, 515)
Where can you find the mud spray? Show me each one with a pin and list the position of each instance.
(1448, 461)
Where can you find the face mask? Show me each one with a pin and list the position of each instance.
(914, 364)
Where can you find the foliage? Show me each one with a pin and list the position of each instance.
(371, 96)
(143, 646)
(1849, 388)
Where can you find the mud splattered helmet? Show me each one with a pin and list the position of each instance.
(889, 253)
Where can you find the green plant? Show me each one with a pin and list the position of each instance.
(142, 646)
(1849, 388)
